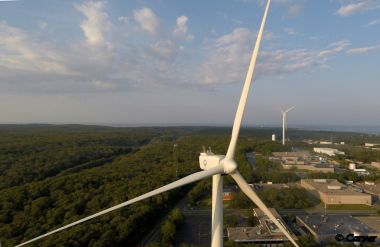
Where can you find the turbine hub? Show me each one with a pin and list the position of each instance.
(229, 165)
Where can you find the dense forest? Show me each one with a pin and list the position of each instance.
(53, 175)
(32, 154)
(65, 193)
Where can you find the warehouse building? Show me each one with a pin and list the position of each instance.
(330, 191)
(265, 234)
(311, 167)
(324, 228)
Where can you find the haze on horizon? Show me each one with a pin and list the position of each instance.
(181, 62)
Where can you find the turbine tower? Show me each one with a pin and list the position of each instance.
(212, 165)
(284, 123)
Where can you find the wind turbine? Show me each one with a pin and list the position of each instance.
(212, 165)
(284, 122)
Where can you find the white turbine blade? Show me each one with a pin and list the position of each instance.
(253, 196)
(186, 180)
(291, 108)
(244, 94)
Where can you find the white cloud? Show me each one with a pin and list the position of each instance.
(20, 52)
(362, 50)
(96, 23)
(90, 65)
(31, 65)
(360, 6)
(237, 36)
(181, 30)
(124, 19)
(289, 31)
(228, 57)
(104, 85)
(147, 20)
(43, 25)
(314, 38)
(373, 22)
(181, 24)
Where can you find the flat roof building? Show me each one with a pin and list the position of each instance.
(303, 160)
(311, 167)
(325, 227)
(266, 233)
(370, 187)
(330, 191)
(328, 151)
(325, 142)
(371, 144)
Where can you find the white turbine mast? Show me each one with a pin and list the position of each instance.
(284, 122)
(212, 165)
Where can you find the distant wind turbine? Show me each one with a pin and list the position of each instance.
(284, 122)
(212, 165)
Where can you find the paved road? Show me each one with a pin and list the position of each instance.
(154, 234)
(251, 159)
(196, 228)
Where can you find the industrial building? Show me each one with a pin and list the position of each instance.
(311, 167)
(328, 151)
(375, 164)
(370, 188)
(359, 171)
(371, 145)
(330, 191)
(324, 228)
(325, 142)
(302, 161)
(292, 155)
(265, 234)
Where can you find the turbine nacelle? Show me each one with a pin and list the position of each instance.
(208, 160)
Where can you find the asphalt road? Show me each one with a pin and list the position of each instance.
(154, 234)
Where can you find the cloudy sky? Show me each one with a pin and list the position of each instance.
(184, 62)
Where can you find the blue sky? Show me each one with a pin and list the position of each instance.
(184, 62)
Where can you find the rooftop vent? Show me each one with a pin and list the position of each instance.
(320, 181)
(334, 187)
